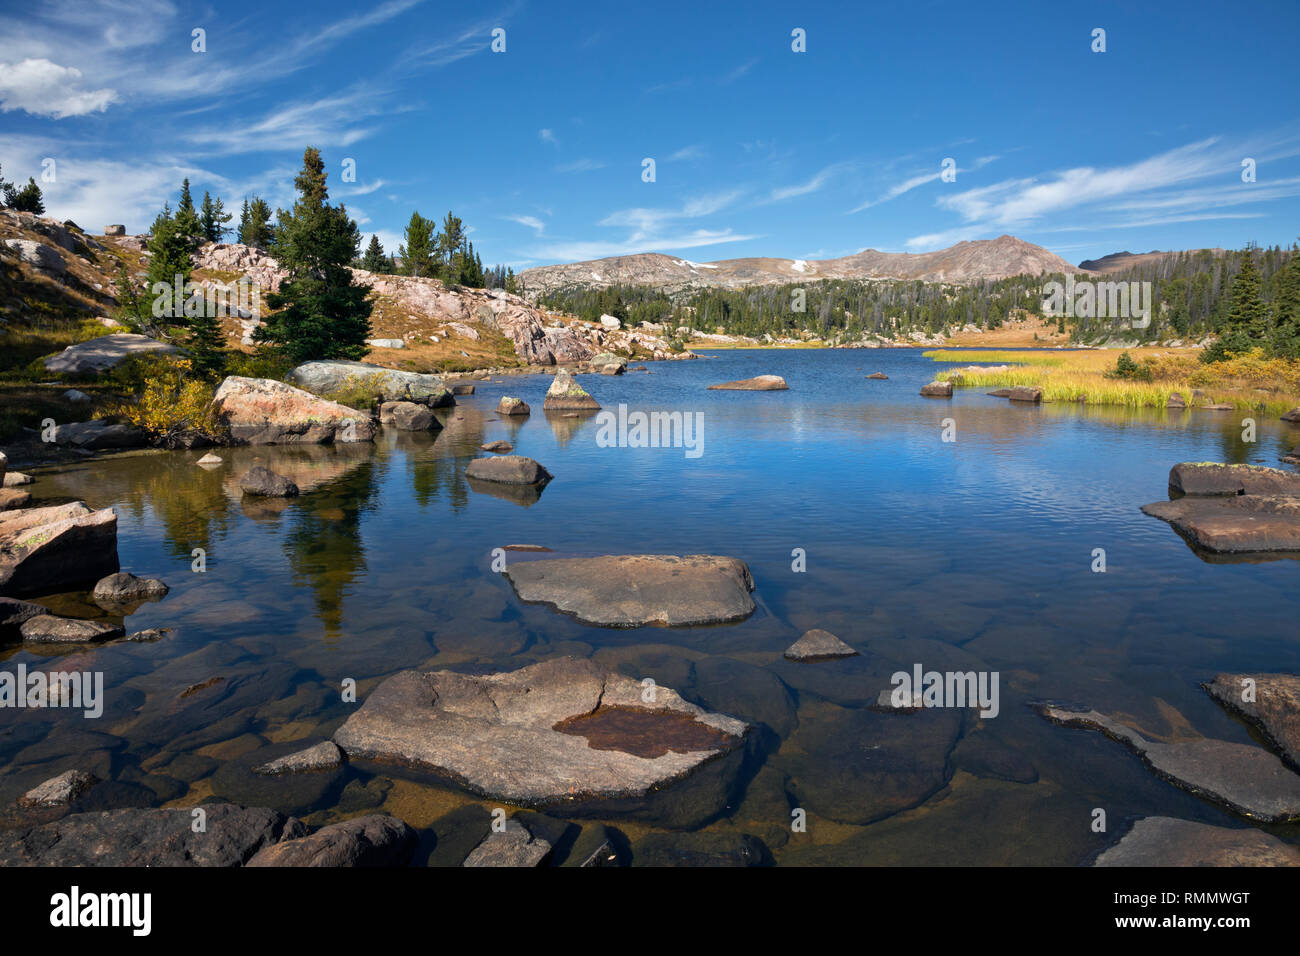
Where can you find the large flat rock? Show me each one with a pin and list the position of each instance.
(1166, 841)
(1249, 780)
(759, 383)
(562, 733)
(105, 352)
(1233, 524)
(260, 411)
(630, 590)
(1275, 709)
(392, 385)
(1211, 478)
(43, 550)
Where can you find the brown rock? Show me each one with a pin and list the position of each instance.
(1275, 709)
(260, 411)
(937, 390)
(760, 383)
(1166, 841)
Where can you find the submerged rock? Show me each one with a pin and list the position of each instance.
(124, 587)
(1275, 709)
(1248, 780)
(513, 846)
(371, 841)
(508, 469)
(878, 375)
(566, 393)
(630, 590)
(150, 837)
(818, 645)
(49, 629)
(265, 483)
(1166, 841)
(259, 411)
(760, 383)
(939, 390)
(562, 733)
(497, 447)
(61, 790)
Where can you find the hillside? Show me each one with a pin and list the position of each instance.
(1123, 261)
(962, 263)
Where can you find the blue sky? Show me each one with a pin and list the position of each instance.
(759, 150)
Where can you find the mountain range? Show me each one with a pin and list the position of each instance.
(964, 262)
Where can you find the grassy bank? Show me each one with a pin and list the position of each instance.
(1250, 383)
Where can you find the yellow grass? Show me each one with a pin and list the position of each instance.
(1251, 383)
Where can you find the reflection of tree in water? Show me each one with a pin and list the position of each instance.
(1235, 450)
(433, 478)
(324, 544)
(188, 500)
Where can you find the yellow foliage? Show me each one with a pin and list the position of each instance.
(172, 401)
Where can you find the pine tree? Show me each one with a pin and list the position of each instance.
(1245, 324)
(169, 265)
(1284, 340)
(28, 199)
(6, 192)
(322, 313)
(257, 230)
(244, 221)
(186, 219)
(213, 218)
(449, 247)
(417, 252)
(206, 339)
(374, 259)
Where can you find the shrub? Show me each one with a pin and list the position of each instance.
(171, 401)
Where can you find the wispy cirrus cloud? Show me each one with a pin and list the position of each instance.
(812, 185)
(580, 166)
(912, 182)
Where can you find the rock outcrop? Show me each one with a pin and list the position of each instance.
(56, 548)
(566, 394)
(1232, 509)
(1271, 702)
(106, 352)
(391, 385)
(1166, 841)
(371, 841)
(259, 411)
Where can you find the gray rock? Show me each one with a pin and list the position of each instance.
(818, 645)
(372, 841)
(513, 406)
(562, 733)
(61, 790)
(115, 229)
(386, 343)
(631, 590)
(149, 837)
(55, 548)
(39, 256)
(1233, 524)
(1292, 416)
(509, 469)
(49, 629)
(210, 459)
(408, 416)
(265, 483)
(125, 588)
(106, 352)
(99, 434)
(462, 389)
(149, 634)
(259, 411)
(760, 383)
(1025, 393)
(75, 395)
(497, 447)
(565, 393)
(391, 385)
(323, 756)
(1275, 709)
(12, 615)
(1166, 841)
(939, 390)
(14, 479)
(1208, 478)
(1249, 780)
(513, 846)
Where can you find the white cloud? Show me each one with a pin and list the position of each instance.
(547, 136)
(532, 222)
(811, 186)
(580, 166)
(688, 152)
(43, 88)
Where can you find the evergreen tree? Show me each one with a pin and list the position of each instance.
(206, 340)
(374, 259)
(450, 248)
(27, 199)
(6, 192)
(213, 218)
(257, 230)
(417, 252)
(1246, 323)
(244, 220)
(186, 219)
(169, 265)
(322, 313)
(1284, 340)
